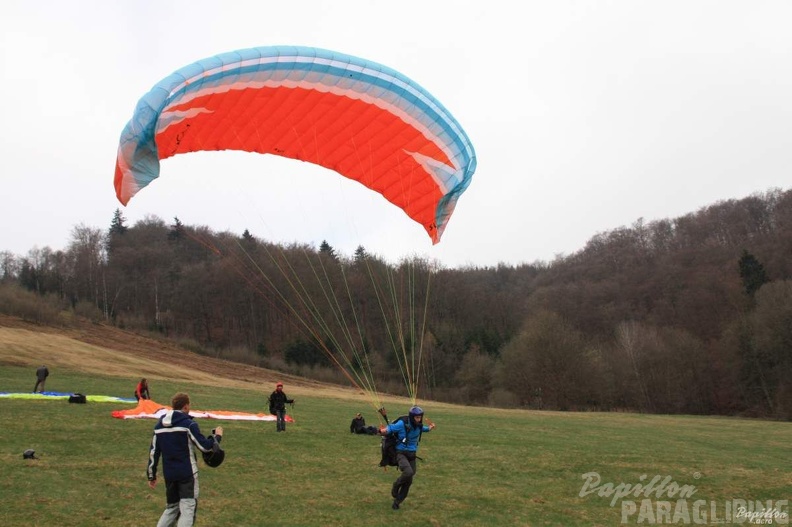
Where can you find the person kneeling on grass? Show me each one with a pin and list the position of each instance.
(142, 390)
(176, 436)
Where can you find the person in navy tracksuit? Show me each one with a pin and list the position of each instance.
(175, 438)
(409, 434)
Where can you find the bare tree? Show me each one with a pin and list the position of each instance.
(548, 365)
(87, 252)
(9, 266)
(772, 324)
(630, 338)
(474, 376)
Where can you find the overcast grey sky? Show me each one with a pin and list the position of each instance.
(585, 116)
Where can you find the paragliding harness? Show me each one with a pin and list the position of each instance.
(389, 442)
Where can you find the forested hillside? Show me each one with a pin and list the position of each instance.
(684, 315)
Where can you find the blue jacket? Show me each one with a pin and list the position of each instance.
(408, 436)
(175, 438)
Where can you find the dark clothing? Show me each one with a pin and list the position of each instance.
(177, 490)
(175, 438)
(181, 503)
(278, 400)
(41, 377)
(280, 420)
(358, 426)
(408, 468)
(277, 404)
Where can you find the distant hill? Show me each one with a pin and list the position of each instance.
(678, 315)
(106, 350)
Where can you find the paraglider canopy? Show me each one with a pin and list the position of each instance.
(361, 119)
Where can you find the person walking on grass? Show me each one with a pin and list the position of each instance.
(175, 438)
(409, 432)
(277, 406)
(41, 378)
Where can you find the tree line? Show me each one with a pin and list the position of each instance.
(684, 315)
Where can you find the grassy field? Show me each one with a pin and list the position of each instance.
(480, 466)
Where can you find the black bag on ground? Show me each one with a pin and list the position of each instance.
(77, 398)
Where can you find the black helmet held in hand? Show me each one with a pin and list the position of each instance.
(215, 457)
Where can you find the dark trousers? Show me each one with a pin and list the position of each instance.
(181, 499)
(39, 382)
(408, 468)
(280, 414)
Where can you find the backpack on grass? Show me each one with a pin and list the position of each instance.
(77, 398)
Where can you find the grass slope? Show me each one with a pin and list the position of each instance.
(481, 466)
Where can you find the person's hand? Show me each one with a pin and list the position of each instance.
(152, 483)
(431, 426)
(382, 430)
(218, 431)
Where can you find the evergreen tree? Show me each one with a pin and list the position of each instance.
(360, 254)
(177, 229)
(326, 248)
(117, 226)
(752, 273)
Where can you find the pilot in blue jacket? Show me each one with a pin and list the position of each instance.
(409, 434)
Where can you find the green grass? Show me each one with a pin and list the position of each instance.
(481, 467)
